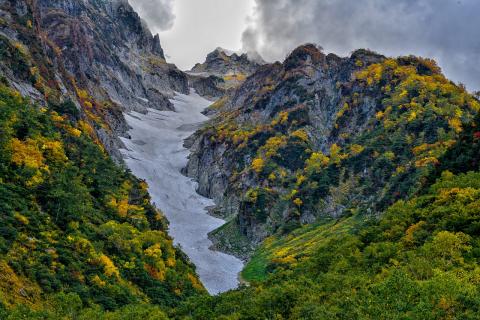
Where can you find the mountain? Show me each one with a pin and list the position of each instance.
(323, 136)
(350, 184)
(223, 70)
(98, 54)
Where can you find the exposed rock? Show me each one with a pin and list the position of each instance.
(102, 47)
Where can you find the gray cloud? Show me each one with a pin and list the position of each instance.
(447, 30)
(157, 13)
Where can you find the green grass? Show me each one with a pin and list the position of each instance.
(300, 244)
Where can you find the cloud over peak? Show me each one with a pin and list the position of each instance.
(447, 30)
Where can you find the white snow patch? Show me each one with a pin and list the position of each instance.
(155, 153)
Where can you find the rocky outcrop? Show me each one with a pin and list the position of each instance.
(221, 62)
(221, 71)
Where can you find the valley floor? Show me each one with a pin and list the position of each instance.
(155, 153)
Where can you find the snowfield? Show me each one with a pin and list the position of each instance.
(155, 153)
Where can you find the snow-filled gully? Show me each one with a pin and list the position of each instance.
(155, 153)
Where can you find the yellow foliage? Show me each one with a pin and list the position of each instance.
(426, 161)
(26, 153)
(108, 267)
(300, 134)
(273, 144)
(122, 208)
(400, 169)
(86, 128)
(356, 149)
(379, 115)
(389, 155)
(335, 154)
(195, 283)
(317, 161)
(82, 94)
(73, 131)
(54, 149)
(154, 251)
(342, 111)
(171, 262)
(98, 282)
(21, 218)
(455, 124)
(409, 233)
(252, 195)
(301, 179)
(412, 116)
(283, 116)
(298, 202)
(258, 164)
(36, 179)
(15, 290)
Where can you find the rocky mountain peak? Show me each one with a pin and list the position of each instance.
(222, 62)
(223, 70)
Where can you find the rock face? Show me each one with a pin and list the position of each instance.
(222, 70)
(100, 47)
(287, 146)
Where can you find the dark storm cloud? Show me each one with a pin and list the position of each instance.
(157, 13)
(447, 30)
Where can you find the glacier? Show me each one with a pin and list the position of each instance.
(155, 153)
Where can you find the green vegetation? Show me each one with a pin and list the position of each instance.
(418, 261)
(416, 114)
(79, 238)
(72, 221)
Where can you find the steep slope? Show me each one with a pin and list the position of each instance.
(74, 222)
(99, 54)
(320, 135)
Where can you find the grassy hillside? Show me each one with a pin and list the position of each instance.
(418, 261)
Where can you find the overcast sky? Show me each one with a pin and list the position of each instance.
(447, 30)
